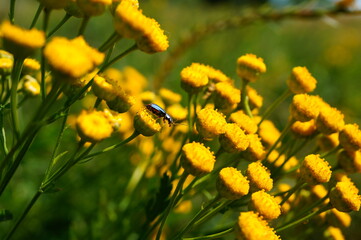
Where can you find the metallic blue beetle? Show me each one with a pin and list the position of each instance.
(160, 112)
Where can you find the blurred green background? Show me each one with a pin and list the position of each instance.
(329, 47)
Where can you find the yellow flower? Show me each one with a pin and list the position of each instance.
(304, 129)
(6, 65)
(350, 161)
(93, 7)
(30, 66)
(134, 81)
(305, 107)
(21, 42)
(279, 160)
(315, 170)
(184, 207)
(213, 74)
(146, 123)
(147, 97)
(268, 132)
(251, 226)
(31, 86)
(71, 59)
(233, 139)
(153, 38)
(255, 150)
(350, 137)
(177, 112)
(231, 184)
(301, 81)
(339, 219)
(319, 191)
(210, 123)
(54, 4)
(114, 118)
(112, 93)
(265, 204)
(249, 67)
(226, 95)
(93, 126)
(169, 97)
(344, 197)
(259, 177)
(244, 122)
(330, 120)
(192, 79)
(334, 233)
(328, 142)
(255, 99)
(197, 159)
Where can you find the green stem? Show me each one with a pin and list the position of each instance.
(171, 203)
(60, 24)
(83, 25)
(213, 212)
(15, 77)
(97, 103)
(298, 186)
(115, 59)
(244, 99)
(190, 123)
(12, 11)
(326, 154)
(24, 214)
(109, 42)
(312, 206)
(274, 104)
(200, 214)
(300, 220)
(36, 16)
(213, 235)
(2, 134)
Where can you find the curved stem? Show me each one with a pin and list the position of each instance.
(244, 99)
(111, 62)
(298, 221)
(36, 16)
(60, 24)
(15, 77)
(211, 213)
(326, 154)
(24, 214)
(12, 11)
(190, 123)
(109, 42)
(275, 104)
(298, 186)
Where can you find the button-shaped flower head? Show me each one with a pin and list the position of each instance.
(231, 184)
(197, 159)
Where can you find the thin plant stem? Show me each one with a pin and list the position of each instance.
(66, 17)
(244, 99)
(275, 104)
(115, 59)
(298, 186)
(12, 11)
(200, 213)
(171, 204)
(213, 212)
(300, 220)
(42, 58)
(109, 42)
(83, 25)
(189, 108)
(213, 235)
(15, 77)
(335, 149)
(2, 134)
(195, 100)
(312, 206)
(24, 214)
(36, 16)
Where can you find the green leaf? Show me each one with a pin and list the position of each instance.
(5, 215)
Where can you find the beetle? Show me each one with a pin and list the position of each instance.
(160, 112)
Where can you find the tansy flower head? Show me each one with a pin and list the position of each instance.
(315, 170)
(110, 91)
(255, 150)
(93, 126)
(328, 142)
(30, 66)
(305, 107)
(259, 177)
(226, 95)
(210, 123)
(6, 65)
(93, 7)
(301, 81)
(350, 161)
(350, 137)
(146, 123)
(153, 38)
(21, 42)
(249, 67)
(169, 97)
(265, 204)
(114, 118)
(268, 132)
(192, 79)
(71, 59)
(213, 74)
(31, 86)
(304, 129)
(197, 159)
(134, 81)
(334, 233)
(344, 197)
(231, 184)
(233, 139)
(330, 120)
(255, 99)
(338, 219)
(244, 121)
(251, 226)
(54, 4)
(177, 112)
